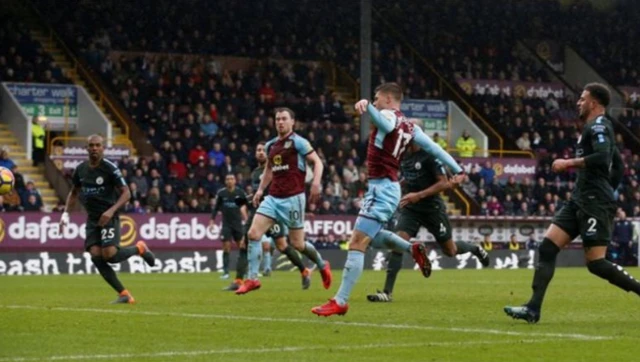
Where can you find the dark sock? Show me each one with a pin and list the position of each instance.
(393, 267)
(124, 254)
(108, 274)
(544, 272)
(294, 257)
(311, 252)
(464, 247)
(615, 274)
(241, 268)
(225, 262)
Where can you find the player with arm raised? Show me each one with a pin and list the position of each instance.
(388, 140)
(98, 182)
(285, 205)
(591, 209)
(277, 232)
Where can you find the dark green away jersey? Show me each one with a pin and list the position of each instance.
(420, 171)
(256, 176)
(593, 183)
(225, 202)
(99, 186)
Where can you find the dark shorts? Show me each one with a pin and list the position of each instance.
(594, 223)
(232, 232)
(276, 231)
(103, 236)
(436, 221)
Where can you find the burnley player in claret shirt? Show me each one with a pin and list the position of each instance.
(388, 141)
(287, 157)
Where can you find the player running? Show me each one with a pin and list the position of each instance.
(388, 141)
(592, 207)
(424, 178)
(285, 205)
(99, 182)
(276, 234)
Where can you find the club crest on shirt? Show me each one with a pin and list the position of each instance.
(287, 144)
(99, 180)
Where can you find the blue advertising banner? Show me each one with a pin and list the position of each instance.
(433, 114)
(54, 101)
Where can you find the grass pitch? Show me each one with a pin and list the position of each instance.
(456, 315)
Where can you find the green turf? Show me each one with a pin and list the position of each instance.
(456, 315)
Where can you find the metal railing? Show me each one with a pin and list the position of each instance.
(499, 153)
(464, 200)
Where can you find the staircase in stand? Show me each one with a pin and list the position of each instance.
(25, 167)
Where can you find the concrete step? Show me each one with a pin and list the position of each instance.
(50, 201)
(37, 180)
(30, 169)
(41, 184)
(17, 154)
(48, 192)
(7, 141)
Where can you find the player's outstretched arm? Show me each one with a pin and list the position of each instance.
(267, 175)
(216, 208)
(434, 149)
(379, 119)
(70, 203)
(617, 169)
(413, 197)
(318, 169)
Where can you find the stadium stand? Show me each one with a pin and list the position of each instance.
(203, 119)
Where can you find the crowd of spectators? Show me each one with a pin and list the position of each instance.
(24, 196)
(23, 59)
(204, 120)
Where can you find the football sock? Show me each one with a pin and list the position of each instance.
(253, 257)
(615, 274)
(393, 267)
(463, 247)
(544, 272)
(385, 239)
(310, 252)
(352, 271)
(294, 257)
(123, 254)
(241, 268)
(266, 260)
(107, 273)
(225, 262)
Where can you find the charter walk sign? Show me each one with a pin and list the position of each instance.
(58, 102)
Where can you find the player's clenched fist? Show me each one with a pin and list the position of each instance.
(361, 106)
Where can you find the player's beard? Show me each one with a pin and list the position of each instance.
(582, 114)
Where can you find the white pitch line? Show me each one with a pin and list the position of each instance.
(261, 350)
(316, 321)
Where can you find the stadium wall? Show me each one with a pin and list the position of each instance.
(30, 243)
